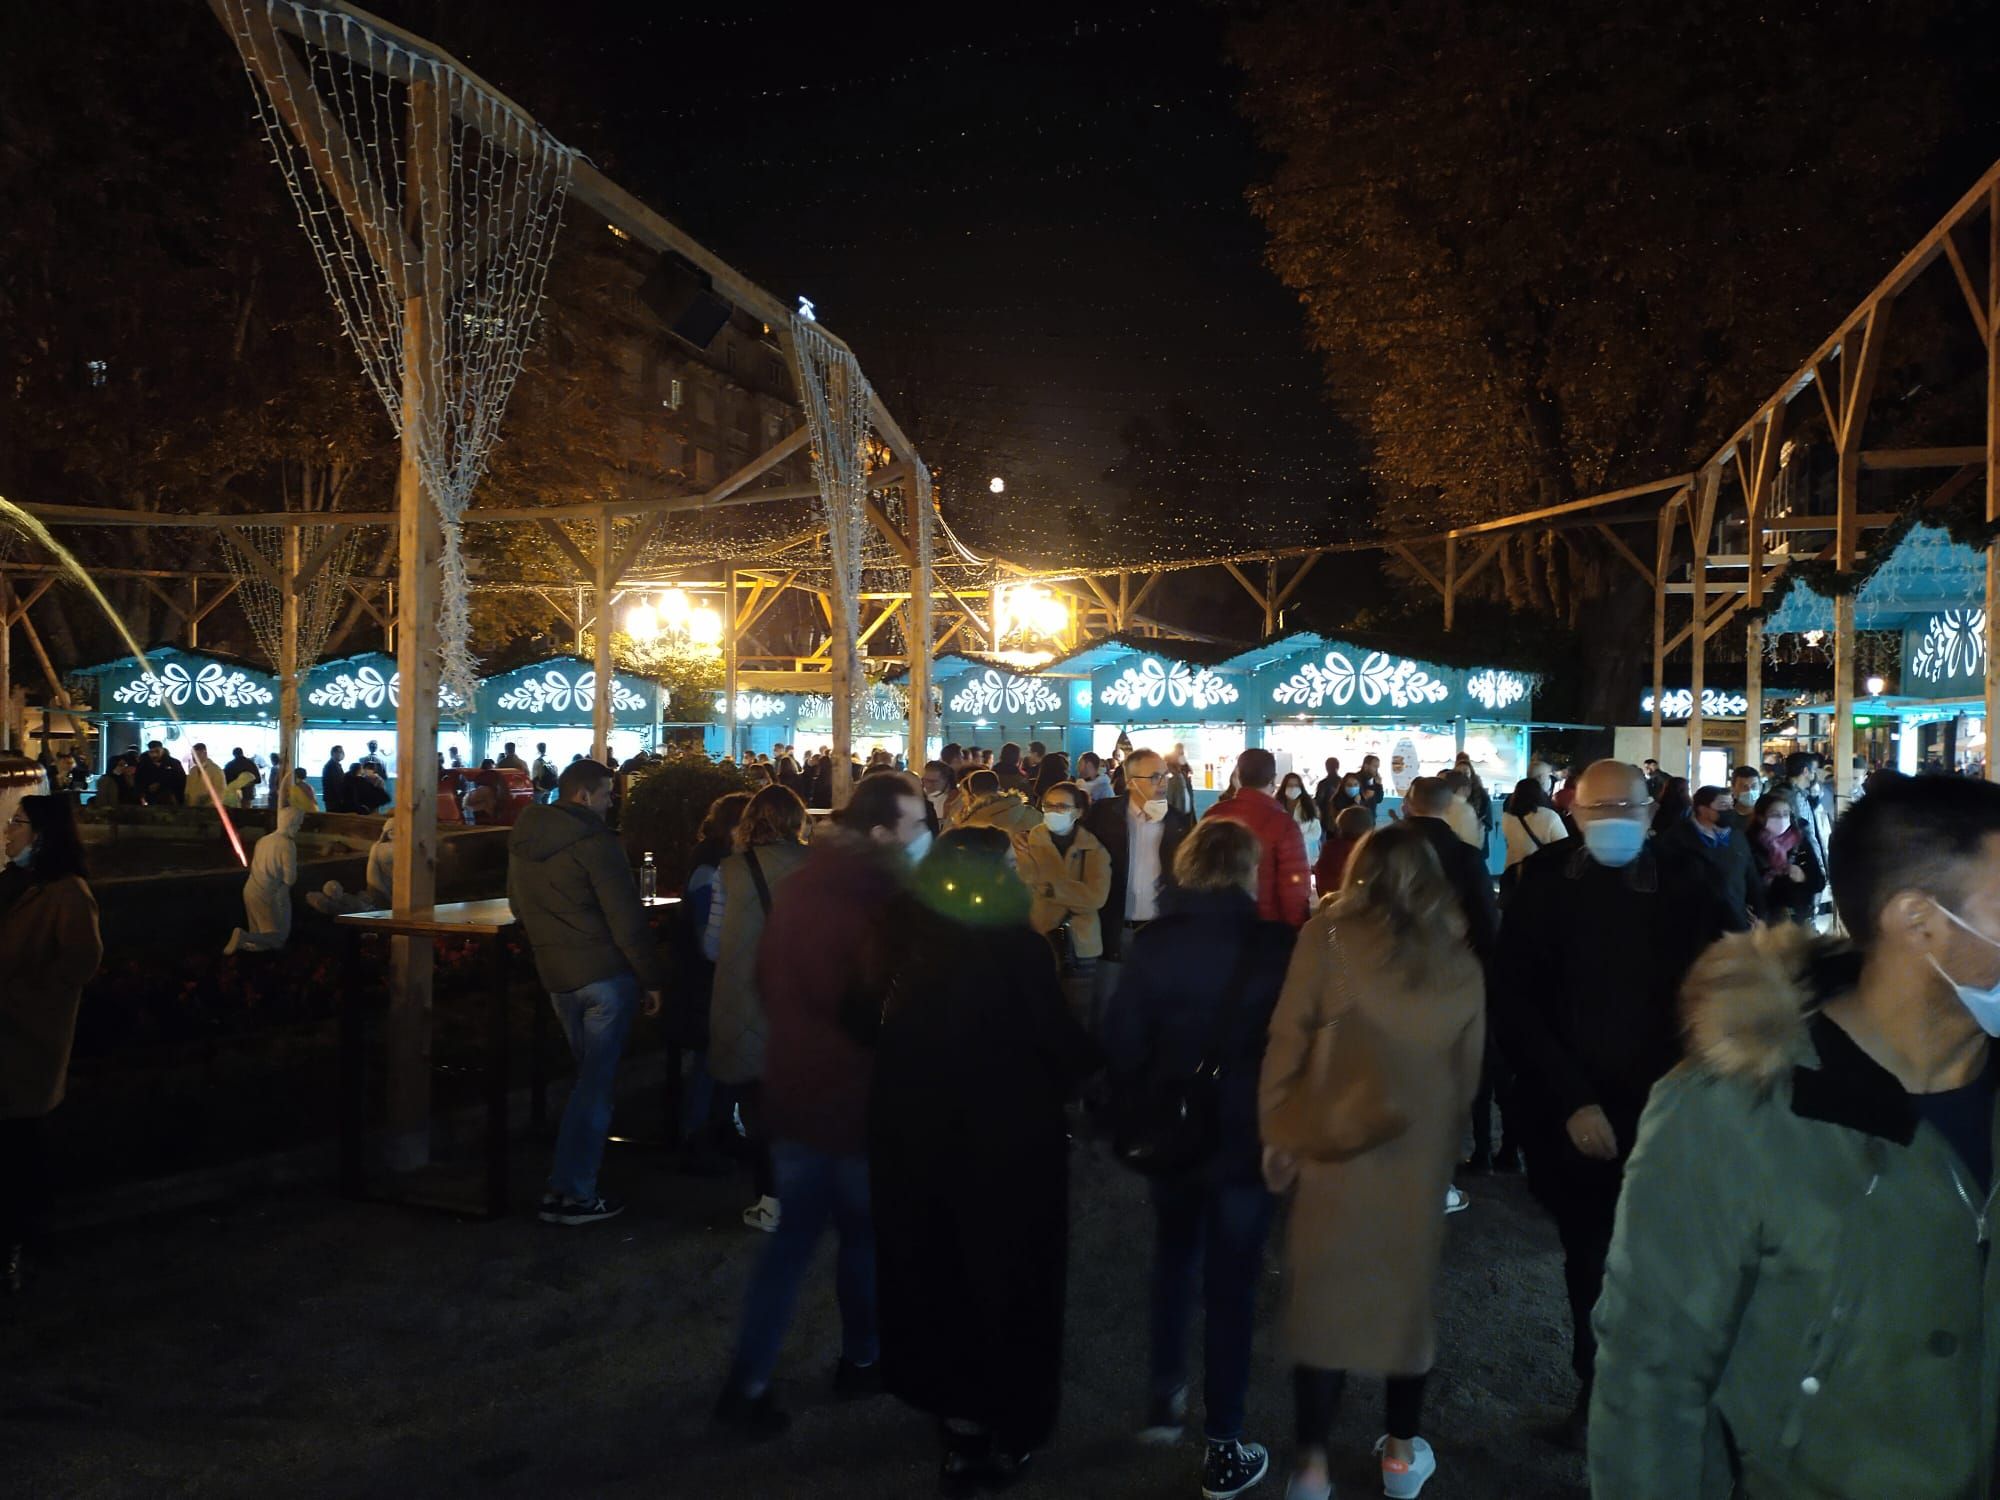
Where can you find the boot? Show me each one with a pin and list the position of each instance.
(13, 1281)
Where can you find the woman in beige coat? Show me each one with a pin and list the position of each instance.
(1385, 968)
(49, 949)
(1067, 871)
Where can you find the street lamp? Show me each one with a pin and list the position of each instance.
(1875, 685)
(997, 485)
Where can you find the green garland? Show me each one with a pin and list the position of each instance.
(1963, 520)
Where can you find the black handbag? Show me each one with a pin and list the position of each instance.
(1170, 1126)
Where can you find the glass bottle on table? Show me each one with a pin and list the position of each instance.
(649, 877)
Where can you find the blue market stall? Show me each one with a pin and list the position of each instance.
(352, 701)
(989, 703)
(881, 720)
(1156, 697)
(1932, 589)
(183, 698)
(551, 702)
(763, 722)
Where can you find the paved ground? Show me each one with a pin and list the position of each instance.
(295, 1345)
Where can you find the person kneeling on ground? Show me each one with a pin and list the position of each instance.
(267, 893)
(333, 899)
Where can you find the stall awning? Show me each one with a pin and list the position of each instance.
(192, 686)
(563, 692)
(364, 689)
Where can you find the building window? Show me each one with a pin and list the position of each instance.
(704, 466)
(704, 407)
(673, 401)
(99, 370)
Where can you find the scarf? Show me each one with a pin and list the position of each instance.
(1774, 850)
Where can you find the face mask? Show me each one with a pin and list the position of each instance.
(24, 856)
(918, 847)
(1155, 809)
(1984, 1004)
(1614, 842)
(1059, 823)
(936, 800)
(1779, 826)
(1351, 788)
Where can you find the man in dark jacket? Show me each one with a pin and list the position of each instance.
(570, 885)
(333, 782)
(1140, 831)
(161, 780)
(1721, 853)
(1585, 980)
(821, 972)
(1427, 805)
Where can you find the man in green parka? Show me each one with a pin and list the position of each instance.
(1801, 1299)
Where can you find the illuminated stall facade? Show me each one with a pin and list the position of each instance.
(551, 702)
(183, 698)
(352, 701)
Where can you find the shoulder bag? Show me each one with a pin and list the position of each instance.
(1168, 1126)
(1338, 1106)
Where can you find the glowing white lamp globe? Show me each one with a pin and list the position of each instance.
(997, 485)
(1875, 686)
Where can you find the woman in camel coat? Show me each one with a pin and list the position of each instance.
(1386, 960)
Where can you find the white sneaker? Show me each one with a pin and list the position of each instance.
(235, 941)
(763, 1214)
(1405, 1481)
(1302, 1489)
(1456, 1201)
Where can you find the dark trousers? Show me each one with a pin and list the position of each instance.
(1496, 1086)
(23, 1179)
(1582, 1197)
(1316, 1398)
(748, 1099)
(1216, 1233)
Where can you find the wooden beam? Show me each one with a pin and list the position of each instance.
(1306, 565)
(315, 560)
(1860, 390)
(879, 519)
(1618, 546)
(1610, 497)
(630, 556)
(23, 602)
(1145, 590)
(1256, 594)
(254, 559)
(1922, 458)
(584, 566)
(1973, 303)
(1422, 572)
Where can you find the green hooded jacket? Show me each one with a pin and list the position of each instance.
(1799, 1301)
(568, 882)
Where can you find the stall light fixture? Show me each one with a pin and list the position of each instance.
(1875, 685)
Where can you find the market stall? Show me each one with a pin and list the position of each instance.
(1318, 697)
(763, 722)
(551, 703)
(1157, 699)
(183, 698)
(352, 703)
(881, 720)
(990, 703)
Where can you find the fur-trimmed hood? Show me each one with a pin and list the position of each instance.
(1748, 1000)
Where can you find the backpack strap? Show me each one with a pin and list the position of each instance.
(757, 879)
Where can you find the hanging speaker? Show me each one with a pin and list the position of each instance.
(683, 297)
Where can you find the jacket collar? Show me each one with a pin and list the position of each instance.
(1850, 1088)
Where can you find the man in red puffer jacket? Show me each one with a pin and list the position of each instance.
(1284, 880)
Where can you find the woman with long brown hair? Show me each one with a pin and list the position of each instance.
(1372, 1061)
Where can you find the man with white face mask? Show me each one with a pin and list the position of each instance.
(1585, 982)
(1141, 832)
(1802, 1290)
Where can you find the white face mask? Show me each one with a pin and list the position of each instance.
(1059, 823)
(24, 856)
(1983, 1002)
(918, 847)
(936, 799)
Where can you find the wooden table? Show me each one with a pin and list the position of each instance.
(493, 920)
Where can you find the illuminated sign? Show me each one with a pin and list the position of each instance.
(1377, 679)
(366, 688)
(1948, 652)
(556, 691)
(1495, 690)
(210, 685)
(1154, 683)
(987, 694)
(753, 706)
(1678, 703)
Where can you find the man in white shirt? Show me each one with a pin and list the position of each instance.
(1140, 831)
(1460, 817)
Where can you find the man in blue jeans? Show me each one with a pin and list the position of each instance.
(569, 883)
(821, 970)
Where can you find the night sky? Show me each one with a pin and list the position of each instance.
(1029, 227)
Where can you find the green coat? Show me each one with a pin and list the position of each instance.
(569, 883)
(1796, 1286)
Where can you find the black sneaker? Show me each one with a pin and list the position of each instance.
(1166, 1419)
(13, 1280)
(756, 1417)
(852, 1382)
(1231, 1468)
(574, 1211)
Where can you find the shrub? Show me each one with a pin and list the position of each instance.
(663, 809)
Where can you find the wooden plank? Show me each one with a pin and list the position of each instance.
(1256, 594)
(1964, 278)
(24, 602)
(1593, 502)
(584, 566)
(1417, 564)
(1922, 458)
(255, 560)
(1291, 587)
(315, 560)
(1621, 549)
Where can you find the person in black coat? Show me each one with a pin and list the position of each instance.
(1585, 987)
(1118, 822)
(1202, 981)
(1787, 869)
(1464, 866)
(968, 1154)
(333, 783)
(1721, 854)
(161, 780)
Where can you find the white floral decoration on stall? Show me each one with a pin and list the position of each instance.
(366, 687)
(208, 687)
(752, 705)
(991, 692)
(1715, 704)
(1494, 690)
(555, 692)
(1155, 684)
(1954, 645)
(1380, 678)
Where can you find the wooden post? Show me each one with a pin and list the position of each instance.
(580, 617)
(993, 611)
(1841, 752)
(1270, 597)
(6, 663)
(1707, 488)
(1451, 591)
(1992, 479)
(419, 549)
(194, 614)
(1662, 550)
(917, 644)
(729, 656)
(289, 608)
(1753, 694)
(600, 708)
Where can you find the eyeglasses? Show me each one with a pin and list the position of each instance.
(1615, 807)
(1156, 776)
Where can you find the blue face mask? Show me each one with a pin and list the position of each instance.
(1983, 1003)
(1614, 842)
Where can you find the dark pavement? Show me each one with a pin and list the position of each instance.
(297, 1345)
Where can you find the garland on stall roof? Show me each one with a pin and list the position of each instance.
(1963, 520)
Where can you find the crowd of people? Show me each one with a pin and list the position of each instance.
(913, 1016)
(1767, 1150)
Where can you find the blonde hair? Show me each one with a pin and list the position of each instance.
(1396, 884)
(1218, 855)
(774, 815)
